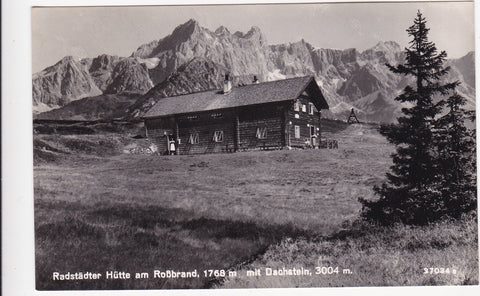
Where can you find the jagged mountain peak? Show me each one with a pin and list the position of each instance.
(241, 53)
(61, 83)
(386, 46)
(103, 62)
(182, 33)
(293, 45)
(67, 59)
(64, 62)
(222, 31)
(191, 22)
(238, 34)
(384, 52)
(188, 27)
(253, 30)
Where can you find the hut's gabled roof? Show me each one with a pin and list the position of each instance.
(252, 94)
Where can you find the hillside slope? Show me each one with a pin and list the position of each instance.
(107, 106)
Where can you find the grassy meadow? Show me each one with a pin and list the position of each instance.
(100, 209)
(375, 256)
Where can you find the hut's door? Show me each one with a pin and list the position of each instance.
(313, 137)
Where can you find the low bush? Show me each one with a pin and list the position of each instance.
(74, 130)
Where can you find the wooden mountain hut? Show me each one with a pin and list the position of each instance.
(268, 115)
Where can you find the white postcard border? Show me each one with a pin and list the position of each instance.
(18, 271)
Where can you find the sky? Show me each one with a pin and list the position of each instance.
(91, 31)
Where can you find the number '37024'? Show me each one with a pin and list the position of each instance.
(439, 270)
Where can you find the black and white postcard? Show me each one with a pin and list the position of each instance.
(226, 146)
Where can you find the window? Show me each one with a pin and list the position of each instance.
(192, 117)
(310, 108)
(297, 116)
(194, 138)
(218, 136)
(297, 132)
(261, 132)
(304, 108)
(296, 106)
(217, 115)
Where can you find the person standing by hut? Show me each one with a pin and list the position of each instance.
(172, 147)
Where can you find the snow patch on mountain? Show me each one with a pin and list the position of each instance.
(149, 62)
(41, 107)
(275, 75)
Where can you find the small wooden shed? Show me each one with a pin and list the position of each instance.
(268, 115)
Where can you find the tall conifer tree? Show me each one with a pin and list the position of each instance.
(410, 194)
(456, 158)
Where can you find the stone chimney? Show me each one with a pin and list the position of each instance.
(255, 80)
(227, 85)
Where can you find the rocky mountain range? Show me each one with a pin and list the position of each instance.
(193, 58)
(71, 79)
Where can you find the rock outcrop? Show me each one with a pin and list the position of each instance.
(196, 75)
(63, 82)
(72, 79)
(129, 76)
(240, 53)
(101, 69)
